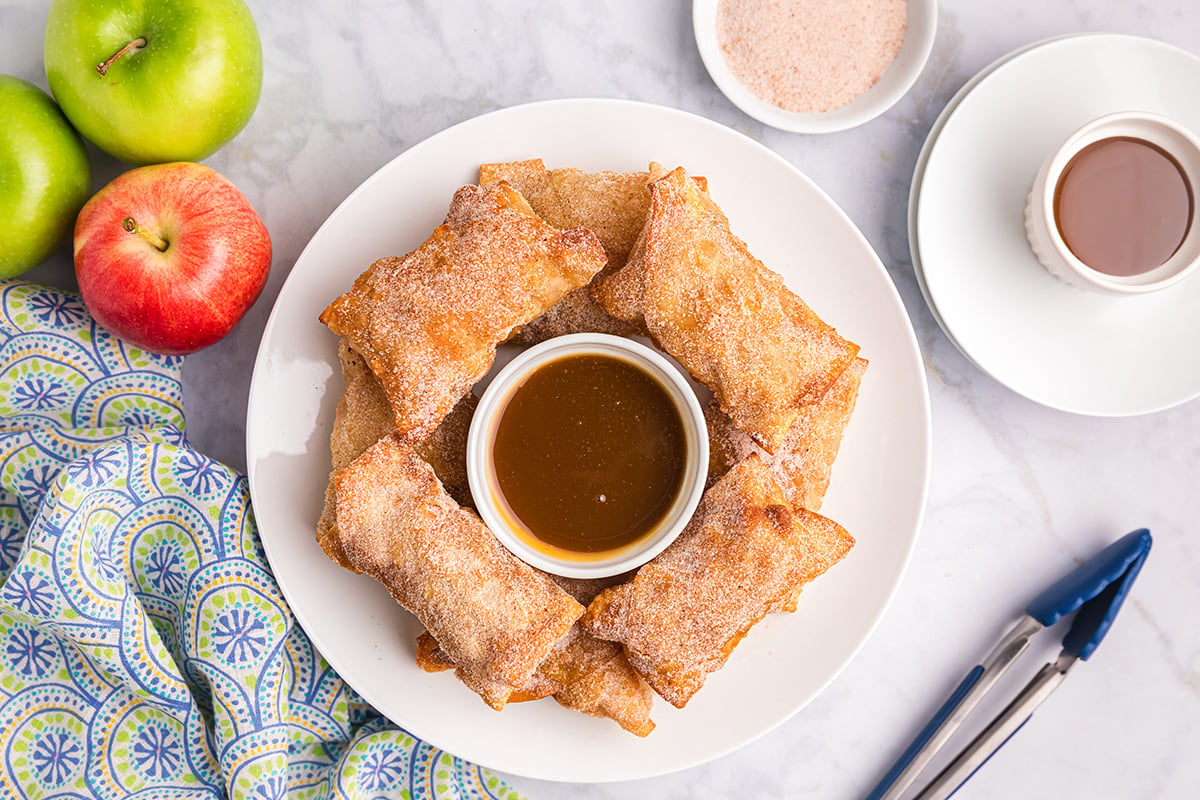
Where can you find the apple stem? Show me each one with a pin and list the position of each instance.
(130, 224)
(136, 44)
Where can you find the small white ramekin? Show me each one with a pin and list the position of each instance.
(895, 81)
(1041, 225)
(482, 475)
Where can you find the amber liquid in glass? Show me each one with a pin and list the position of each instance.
(1123, 206)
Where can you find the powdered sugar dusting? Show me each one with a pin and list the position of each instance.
(810, 55)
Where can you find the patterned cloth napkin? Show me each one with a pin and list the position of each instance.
(145, 648)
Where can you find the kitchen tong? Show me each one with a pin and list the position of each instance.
(1094, 592)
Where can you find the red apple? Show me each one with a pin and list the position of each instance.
(170, 257)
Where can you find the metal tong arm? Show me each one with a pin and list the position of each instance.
(1008, 722)
(955, 711)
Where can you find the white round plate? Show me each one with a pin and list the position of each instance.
(1058, 345)
(895, 81)
(877, 491)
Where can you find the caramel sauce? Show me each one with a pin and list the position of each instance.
(1123, 206)
(589, 454)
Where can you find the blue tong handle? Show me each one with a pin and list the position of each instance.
(919, 743)
(1096, 590)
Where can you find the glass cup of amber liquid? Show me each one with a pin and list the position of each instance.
(1113, 209)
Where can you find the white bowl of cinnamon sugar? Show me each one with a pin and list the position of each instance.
(814, 66)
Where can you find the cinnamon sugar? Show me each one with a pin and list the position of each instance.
(810, 55)
(733, 324)
(804, 460)
(428, 323)
(495, 616)
(745, 554)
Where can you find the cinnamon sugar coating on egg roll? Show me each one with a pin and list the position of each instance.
(719, 311)
(745, 554)
(495, 617)
(428, 323)
(804, 460)
(363, 417)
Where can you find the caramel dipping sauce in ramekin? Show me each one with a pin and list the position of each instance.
(587, 455)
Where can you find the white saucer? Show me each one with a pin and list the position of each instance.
(1063, 347)
(914, 192)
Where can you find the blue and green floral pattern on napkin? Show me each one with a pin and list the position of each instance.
(145, 649)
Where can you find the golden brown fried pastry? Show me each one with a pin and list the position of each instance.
(431, 657)
(804, 460)
(618, 291)
(827, 543)
(721, 313)
(584, 590)
(446, 449)
(593, 675)
(428, 323)
(611, 205)
(583, 673)
(495, 617)
(575, 313)
(327, 531)
(363, 417)
(744, 554)
(595, 678)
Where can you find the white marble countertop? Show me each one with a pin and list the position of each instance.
(1019, 493)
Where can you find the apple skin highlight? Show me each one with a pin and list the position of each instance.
(189, 295)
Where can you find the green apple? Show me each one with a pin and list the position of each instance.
(44, 176)
(151, 81)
